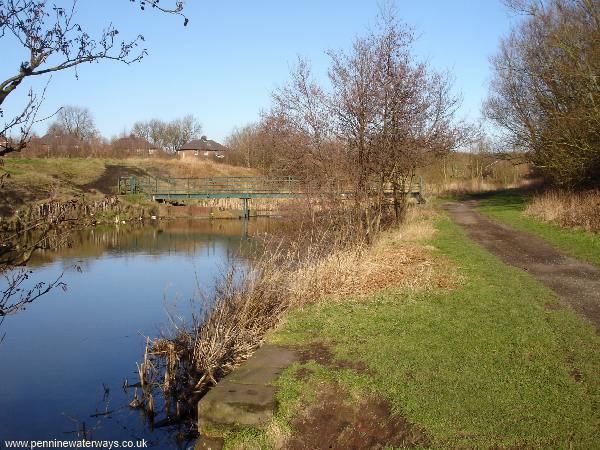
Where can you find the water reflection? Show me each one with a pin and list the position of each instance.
(64, 353)
(167, 237)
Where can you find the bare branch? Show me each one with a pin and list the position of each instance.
(55, 42)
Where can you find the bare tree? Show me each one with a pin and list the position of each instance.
(392, 114)
(76, 121)
(180, 131)
(545, 92)
(153, 131)
(244, 146)
(17, 245)
(279, 147)
(16, 294)
(169, 136)
(54, 42)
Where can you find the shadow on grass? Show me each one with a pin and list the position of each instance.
(503, 199)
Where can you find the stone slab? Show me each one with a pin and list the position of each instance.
(272, 356)
(254, 374)
(236, 404)
(245, 397)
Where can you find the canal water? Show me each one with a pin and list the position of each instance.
(63, 360)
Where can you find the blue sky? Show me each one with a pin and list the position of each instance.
(223, 66)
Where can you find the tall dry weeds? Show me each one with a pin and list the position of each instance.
(478, 185)
(569, 209)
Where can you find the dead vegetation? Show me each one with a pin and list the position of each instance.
(176, 168)
(569, 209)
(315, 259)
(476, 185)
(396, 259)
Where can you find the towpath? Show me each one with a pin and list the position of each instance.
(576, 283)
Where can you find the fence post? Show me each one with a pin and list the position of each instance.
(246, 208)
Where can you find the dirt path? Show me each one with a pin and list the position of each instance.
(576, 283)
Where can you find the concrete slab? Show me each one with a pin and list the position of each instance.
(272, 356)
(236, 404)
(254, 374)
(245, 397)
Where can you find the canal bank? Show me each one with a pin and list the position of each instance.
(333, 268)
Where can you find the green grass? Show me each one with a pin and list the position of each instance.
(491, 364)
(36, 179)
(71, 170)
(507, 207)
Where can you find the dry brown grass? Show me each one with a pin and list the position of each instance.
(361, 273)
(580, 210)
(397, 259)
(191, 168)
(475, 185)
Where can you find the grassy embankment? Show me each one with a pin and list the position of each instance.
(60, 179)
(509, 207)
(491, 360)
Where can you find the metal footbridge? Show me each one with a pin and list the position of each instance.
(245, 188)
(165, 189)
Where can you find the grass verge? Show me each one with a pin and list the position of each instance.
(508, 207)
(494, 363)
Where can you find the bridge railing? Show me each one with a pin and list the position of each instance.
(213, 185)
(253, 186)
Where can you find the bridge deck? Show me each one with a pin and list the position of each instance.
(226, 187)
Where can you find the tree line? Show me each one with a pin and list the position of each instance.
(73, 133)
(545, 92)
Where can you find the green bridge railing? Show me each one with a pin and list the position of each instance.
(230, 187)
(215, 187)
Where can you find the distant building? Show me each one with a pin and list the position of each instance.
(202, 148)
(133, 145)
(58, 145)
